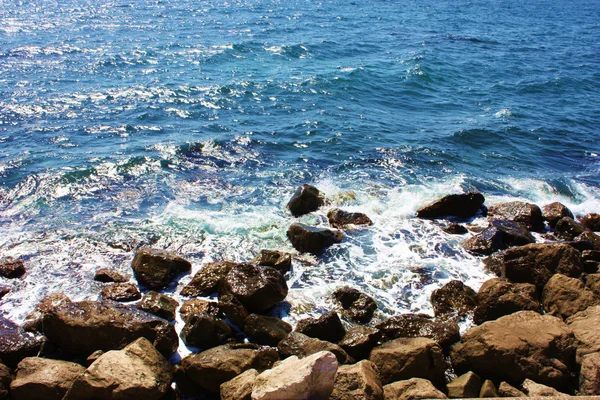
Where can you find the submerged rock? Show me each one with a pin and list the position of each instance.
(158, 304)
(356, 305)
(455, 229)
(42, 378)
(207, 279)
(341, 219)
(16, 344)
(306, 199)
(527, 214)
(156, 269)
(554, 212)
(279, 260)
(465, 205)
(257, 288)
(308, 239)
(11, 269)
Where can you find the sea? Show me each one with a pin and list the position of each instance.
(187, 125)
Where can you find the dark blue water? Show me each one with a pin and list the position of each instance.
(188, 124)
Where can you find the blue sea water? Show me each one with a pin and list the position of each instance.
(187, 125)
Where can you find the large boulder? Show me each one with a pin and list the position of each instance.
(11, 269)
(591, 221)
(300, 345)
(420, 325)
(465, 205)
(308, 378)
(16, 344)
(240, 387)
(5, 380)
(83, 327)
(44, 379)
(564, 296)
(279, 260)
(309, 239)
(306, 199)
(414, 388)
(359, 381)
(589, 376)
(554, 212)
(341, 219)
(359, 341)
(465, 386)
(585, 325)
(266, 330)
(500, 235)
(356, 305)
(138, 371)
(257, 288)
(156, 269)
(205, 331)
(568, 229)
(159, 304)
(514, 348)
(498, 297)
(454, 299)
(407, 358)
(207, 279)
(527, 214)
(327, 327)
(123, 292)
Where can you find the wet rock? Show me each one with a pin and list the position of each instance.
(495, 264)
(359, 341)
(108, 275)
(199, 306)
(121, 292)
(240, 387)
(356, 306)
(16, 344)
(585, 325)
(500, 235)
(305, 200)
(527, 214)
(590, 260)
(257, 288)
(83, 327)
(11, 269)
(589, 237)
(589, 377)
(359, 381)
(218, 365)
(419, 325)
(279, 260)
(453, 299)
(309, 239)
(205, 331)
(327, 327)
(158, 304)
(407, 358)
(488, 389)
(308, 378)
(455, 229)
(138, 371)
(341, 219)
(465, 205)
(5, 379)
(300, 345)
(414, 388)
(232, 307)
(44, 379)
(4, 290)
(533, 389)
(506, 390)
(207, 279)
(34, 320)
(564, 296)
(568, 229)
(465, 386)
(514, 348)
(591, 221)
(498, 297)
(554, 212)
(156, 269)
(266, 330)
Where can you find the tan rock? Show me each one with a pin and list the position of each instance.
(585, 327)
(359, 381)
(466, 385)
(589, 377)
(564, 296)
(5, 379)
(414, 388)
(44, 379)
(300, 345)
(488, 389)
(506, 390)
(240, 387)
(533, 389)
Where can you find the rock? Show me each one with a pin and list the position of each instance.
(156, 269)
(205, 331)
(308, 378)
(159, 304)
(564, 296)
(359, 341)
(356, 306)
(35, 320)
(240, 387)
(359, 381)
(232, 307)
(279, 260)
(567, 229)
(585, 325)
(414, 388)
(83, 327)
(266, 330)
(495, 264)
(407, 358)
(300, 345)
(453, 299)
(589, 237)
(419, 325)
(488, 389)
(527, 214)
(506, 390)
(536, 263)
(465, 386)
(341, 219)
(465, 205)
(44, 379)
(5, 379)
(107, 275)
(591, 221)
(199, 306)
(257, 288)
(122, 292)
(514, 348)
(16, 344)
(592, 282)
(218, 365)
(138, 371)
(306, 199)
(500, 235)
(533, 389)
(553, 213)
(207, 279)
(11, 269)
(93, 357)
(513, 234)
(327, 327)
(591, 261)
(498, 297)
(455, 229)
(589, 377)
(4, 290)
(308, 239)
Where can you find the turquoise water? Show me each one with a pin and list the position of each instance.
(187, 125)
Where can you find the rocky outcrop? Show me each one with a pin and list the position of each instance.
(5, 380)
(568, 229)
(591, 221)
(454, 299)
(240, 387)
(305, 200)
(514, 348)
(359, 341)
(308, 378)
(414, 388)
(507, 390)
(407, 358)
(199, 306)
(554, 212)
(465, 386)
(279, 260)
(309, 239)
(257, 288)
(419, 325)
(564, 296)
(159, 304)
(585, 325)
(500, 235)
(340, 219)
(122, 292)
(465, 205)
(11, 269)
(108, 275)
(498, 297)
(156, 269)
(589, 376)
(300, 345)
(359, 381)
(207, 279)
(138, 371)
(205, 331)
(266, 330)
(16, 344)
(527, 214)
(44, 379)
(356, 306)
(327, 327)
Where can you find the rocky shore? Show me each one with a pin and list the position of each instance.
(534, 332)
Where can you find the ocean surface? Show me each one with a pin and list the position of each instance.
(187, 125)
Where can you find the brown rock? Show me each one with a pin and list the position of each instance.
(591, 261)
(498, 297)
(44, 379)
(455, 229)
(199, 306)
(4, 290)
(327, 327)
(158, 304)
(266, 330)
(553, 213)
(240, 387)
(309, 239)
(5, 379)
(356, 306)
(207, 279)
(564, 296)
(11, 269)
(359, 341)
(300, 345)
(527, 214)
(205, 331)
(591, 221)
(585, 325)
(465, 205)
(465, 386)
(257, 288)
(488, 389)
(34, 321)
(156, 269)
(359, 381)
(567, 229)
(306, 199)
(341, 219)
(589, 237)
(419, 325)
(279, 260)
(232, 307)
(500, 235)
(495, 264)
(16, 344)
(122, 292)
(533, 389)
(453, 299)
(108, 275)
(414, 388)
(93, 357)
(506, 390)
(589, 377)
(592, 282)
